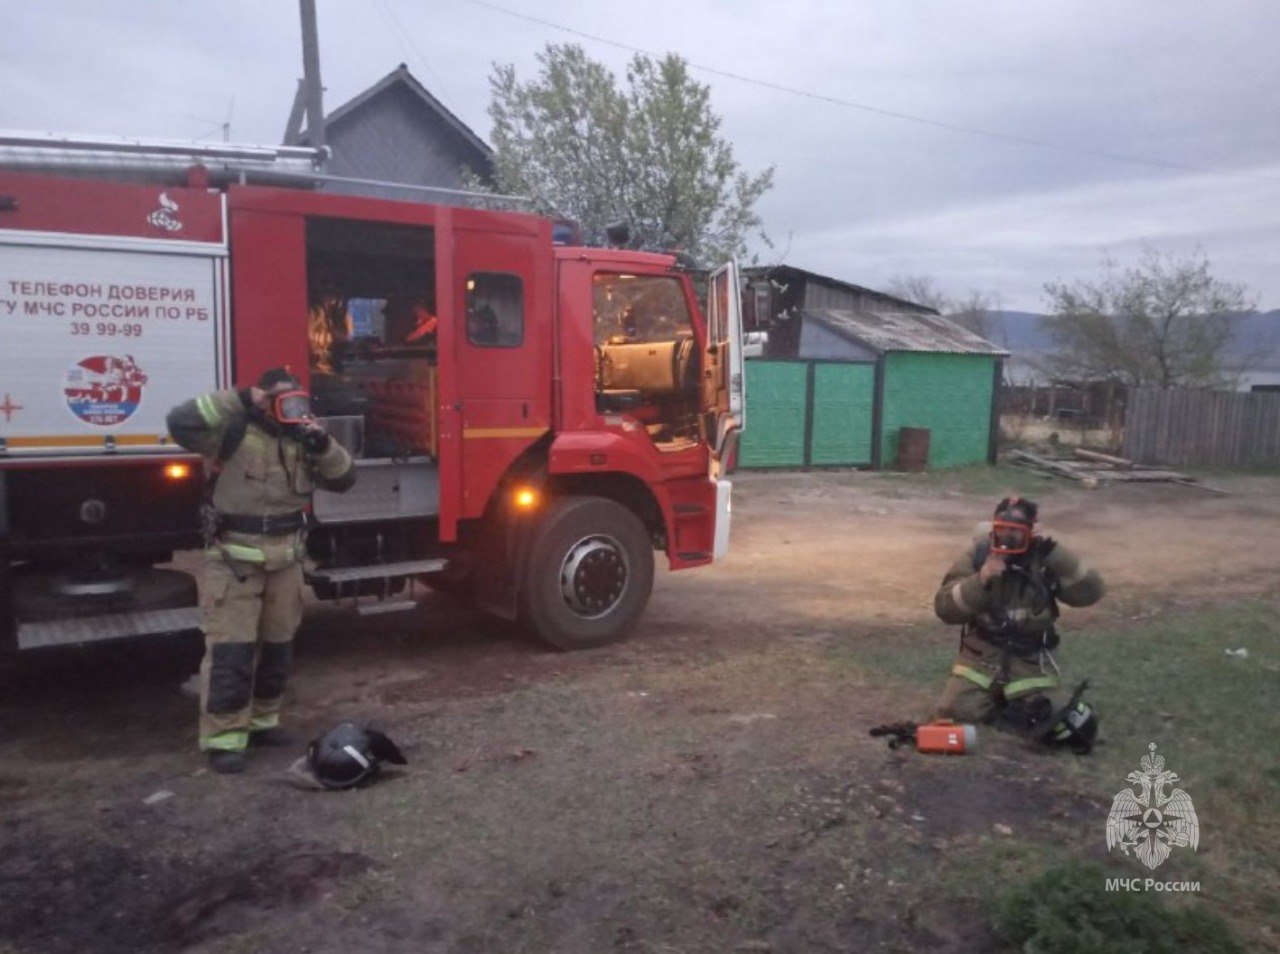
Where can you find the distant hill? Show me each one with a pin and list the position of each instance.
(1257, 340)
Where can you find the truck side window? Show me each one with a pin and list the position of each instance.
(495, 310)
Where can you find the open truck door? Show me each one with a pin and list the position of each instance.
(723, 381)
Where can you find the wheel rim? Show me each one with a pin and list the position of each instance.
(594, 575)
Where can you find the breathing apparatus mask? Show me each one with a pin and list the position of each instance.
(292, 408)
(289, 405)
(1013, 527)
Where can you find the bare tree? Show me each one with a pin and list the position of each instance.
(974, 310)
(1166, 321)
(919, 289)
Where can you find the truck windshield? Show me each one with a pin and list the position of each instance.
(637, 309)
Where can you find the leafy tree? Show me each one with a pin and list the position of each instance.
(649, 153)
(1166, 322)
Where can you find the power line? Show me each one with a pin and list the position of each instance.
(889, 113)
(396, 28)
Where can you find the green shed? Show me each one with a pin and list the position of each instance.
(858, 377)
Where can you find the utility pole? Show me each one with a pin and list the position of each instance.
(310, 90)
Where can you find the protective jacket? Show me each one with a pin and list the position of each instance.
(1008, 620)
(265, 474)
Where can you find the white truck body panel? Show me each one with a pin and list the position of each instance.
(102, 336)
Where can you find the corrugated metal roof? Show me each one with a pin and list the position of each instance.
(885, 330)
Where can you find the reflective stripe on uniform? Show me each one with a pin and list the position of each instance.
(979, 679)
(234, 741)
(260, 722)
(1020, 687)
(958, 599)
(236, 551)
(208, 409)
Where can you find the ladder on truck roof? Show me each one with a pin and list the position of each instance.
(170, 161)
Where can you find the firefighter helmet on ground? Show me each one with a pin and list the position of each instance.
(1077, 726)
(347, 755)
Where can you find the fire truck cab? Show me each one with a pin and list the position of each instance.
(531, 421)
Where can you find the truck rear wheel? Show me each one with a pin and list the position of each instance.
(588, 573)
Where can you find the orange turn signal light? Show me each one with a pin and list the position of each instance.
(525, 498)
(177, 471)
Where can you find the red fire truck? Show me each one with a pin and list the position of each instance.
(531, 420)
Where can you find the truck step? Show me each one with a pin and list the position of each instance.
(92, 629)
(376, 571)
(694, 556)
(386, 606)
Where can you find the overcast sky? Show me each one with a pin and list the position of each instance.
(876, 176)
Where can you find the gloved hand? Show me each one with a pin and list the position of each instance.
(314, 439)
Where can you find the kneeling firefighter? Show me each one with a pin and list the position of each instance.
(1004, 591)
(265, 455)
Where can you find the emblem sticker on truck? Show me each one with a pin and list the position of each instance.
(166, 217)
(104, 389)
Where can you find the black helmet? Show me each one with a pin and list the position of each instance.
(1076, 726)
(346, 755)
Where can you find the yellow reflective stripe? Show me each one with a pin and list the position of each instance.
(981, 680)
(1020, 687)
(236, 740)
(237, 551)
(260, 722)
(119, 440)
(208, 409)
(473, 432)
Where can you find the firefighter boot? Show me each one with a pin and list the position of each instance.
(272, 738)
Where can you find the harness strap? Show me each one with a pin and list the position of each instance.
(277, 524)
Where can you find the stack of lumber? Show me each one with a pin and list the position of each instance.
(1093, 468)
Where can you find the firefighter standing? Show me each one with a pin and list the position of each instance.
(1004, 590)
(265, 456)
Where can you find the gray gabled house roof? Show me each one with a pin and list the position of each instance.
(396, 131)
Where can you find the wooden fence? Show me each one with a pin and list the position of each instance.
(1202, 428)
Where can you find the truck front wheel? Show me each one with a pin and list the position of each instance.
(588, 573)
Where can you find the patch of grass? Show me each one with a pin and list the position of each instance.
(982, 480)
(1214, 718)
(1067, 910)
(920, 655)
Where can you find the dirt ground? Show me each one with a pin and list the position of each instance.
(708, 785)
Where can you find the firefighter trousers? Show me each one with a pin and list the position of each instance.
(249, 627)
(984, 678)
